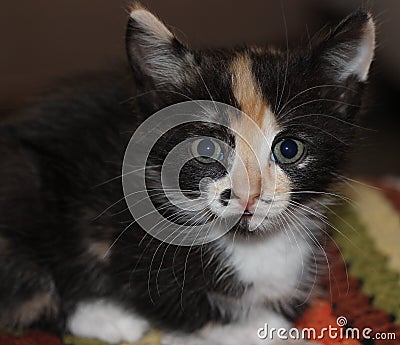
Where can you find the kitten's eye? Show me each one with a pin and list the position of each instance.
(206, 150)
(288, 151)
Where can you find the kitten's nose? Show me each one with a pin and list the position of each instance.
(247, 202)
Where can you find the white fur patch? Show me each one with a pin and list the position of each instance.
(106, 321)
(273, 266)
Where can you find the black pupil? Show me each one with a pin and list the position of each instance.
(289, 148)
(206, 148)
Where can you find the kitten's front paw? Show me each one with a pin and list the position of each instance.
(106, 321)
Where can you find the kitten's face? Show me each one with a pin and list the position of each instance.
(267, 160)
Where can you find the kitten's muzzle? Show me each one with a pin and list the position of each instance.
(247, 202)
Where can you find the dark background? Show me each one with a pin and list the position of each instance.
(42, 40)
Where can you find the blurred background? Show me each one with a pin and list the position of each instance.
(42, 40)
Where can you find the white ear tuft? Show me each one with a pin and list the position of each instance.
(365, 54)
(151, 24)
(153, 51)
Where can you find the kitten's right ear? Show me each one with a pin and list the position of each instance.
(155, 54)
(349, 49)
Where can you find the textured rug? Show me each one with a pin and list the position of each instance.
(362, 299)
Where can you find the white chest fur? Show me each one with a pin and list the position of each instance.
(272, 266)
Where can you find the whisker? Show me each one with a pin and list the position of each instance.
(321, 130)
(329, 194)
(328, 116)
(126, 174)
(342, 177)
(336, 245)
(310, 89)
(326, 222)
(134, 221)
(177, 230)
(317, 100)
(315, 241)
(287, 52)
(207, 89)
(140, 191)
(308, 209)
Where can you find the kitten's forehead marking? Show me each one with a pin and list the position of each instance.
(248, 94)
(252, 103)
(253, 148)
(246, 90)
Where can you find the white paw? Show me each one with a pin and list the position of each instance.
(106, 321)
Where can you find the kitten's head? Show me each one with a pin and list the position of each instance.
(269, 158)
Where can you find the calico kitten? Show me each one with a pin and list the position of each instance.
(73, 259)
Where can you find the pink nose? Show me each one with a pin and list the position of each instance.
(248, 203)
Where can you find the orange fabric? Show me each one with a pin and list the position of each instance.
(319, 316)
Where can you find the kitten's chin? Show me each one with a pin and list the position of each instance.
(252, 225)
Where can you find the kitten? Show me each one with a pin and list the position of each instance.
(73, 259)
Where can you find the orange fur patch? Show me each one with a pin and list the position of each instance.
(100, 249)
(246, 91)
(256, 132)
(30, 311)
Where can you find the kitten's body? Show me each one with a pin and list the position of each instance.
(56, 238)
(70, 256)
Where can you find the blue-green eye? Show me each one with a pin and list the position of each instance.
(206, 150)
(288, 151)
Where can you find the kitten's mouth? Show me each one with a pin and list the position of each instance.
(247, 214)
(246, 217)
(242, 227)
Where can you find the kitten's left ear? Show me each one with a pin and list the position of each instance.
(349, 49)
(154, 53)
